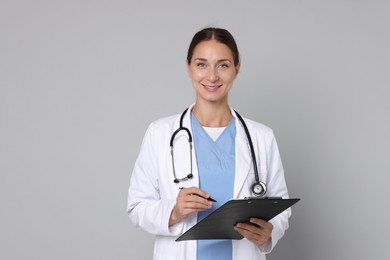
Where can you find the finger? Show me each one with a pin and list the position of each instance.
(258, 221)
(245, 227)
(197, 191)
(248, 234)
(194, 194)
(253, 237)
(183, 208)
(265, 225)
(191, 197)
(197, 205)
(189, 200)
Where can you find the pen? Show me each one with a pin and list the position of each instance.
(209, 199)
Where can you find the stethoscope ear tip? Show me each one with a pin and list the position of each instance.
(176, 181)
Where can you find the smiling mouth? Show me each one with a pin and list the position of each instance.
(211, 87)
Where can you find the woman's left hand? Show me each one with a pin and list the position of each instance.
(258, 234)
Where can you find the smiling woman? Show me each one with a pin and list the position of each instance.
(213, 62)
(222, 163)
(212, 70)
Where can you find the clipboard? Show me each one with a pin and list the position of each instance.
(219, 224)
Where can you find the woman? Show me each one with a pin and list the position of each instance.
(169, 192)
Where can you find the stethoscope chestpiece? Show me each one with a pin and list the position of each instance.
(259, 188)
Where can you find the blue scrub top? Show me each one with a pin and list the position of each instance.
(216, 166)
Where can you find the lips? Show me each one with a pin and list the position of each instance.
(211, 88)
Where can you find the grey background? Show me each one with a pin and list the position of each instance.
(81, 80)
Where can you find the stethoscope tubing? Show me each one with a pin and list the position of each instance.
(250, 146)
(257, 184)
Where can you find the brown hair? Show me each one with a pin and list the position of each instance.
(218, 34)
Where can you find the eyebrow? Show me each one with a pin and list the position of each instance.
(221, 60)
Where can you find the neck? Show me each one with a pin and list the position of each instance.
(212, 115)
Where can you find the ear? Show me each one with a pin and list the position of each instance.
(187, 67)
(237, 69)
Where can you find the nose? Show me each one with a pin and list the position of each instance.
(213, 75)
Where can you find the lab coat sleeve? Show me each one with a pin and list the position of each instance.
(276, 188)
(146, 208)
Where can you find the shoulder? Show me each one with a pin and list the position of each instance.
(261, 134)
(166, 125)
(163, 125)
(254, 127)
(165, 121)
(259, 128)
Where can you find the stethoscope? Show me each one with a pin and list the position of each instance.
(259, 188)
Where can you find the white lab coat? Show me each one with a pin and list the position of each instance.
(152, 192)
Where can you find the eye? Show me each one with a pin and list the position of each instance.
(223, 66)
(201, 65)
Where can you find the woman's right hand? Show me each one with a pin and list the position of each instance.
(189, 200)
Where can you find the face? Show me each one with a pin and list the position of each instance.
(212, 71)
